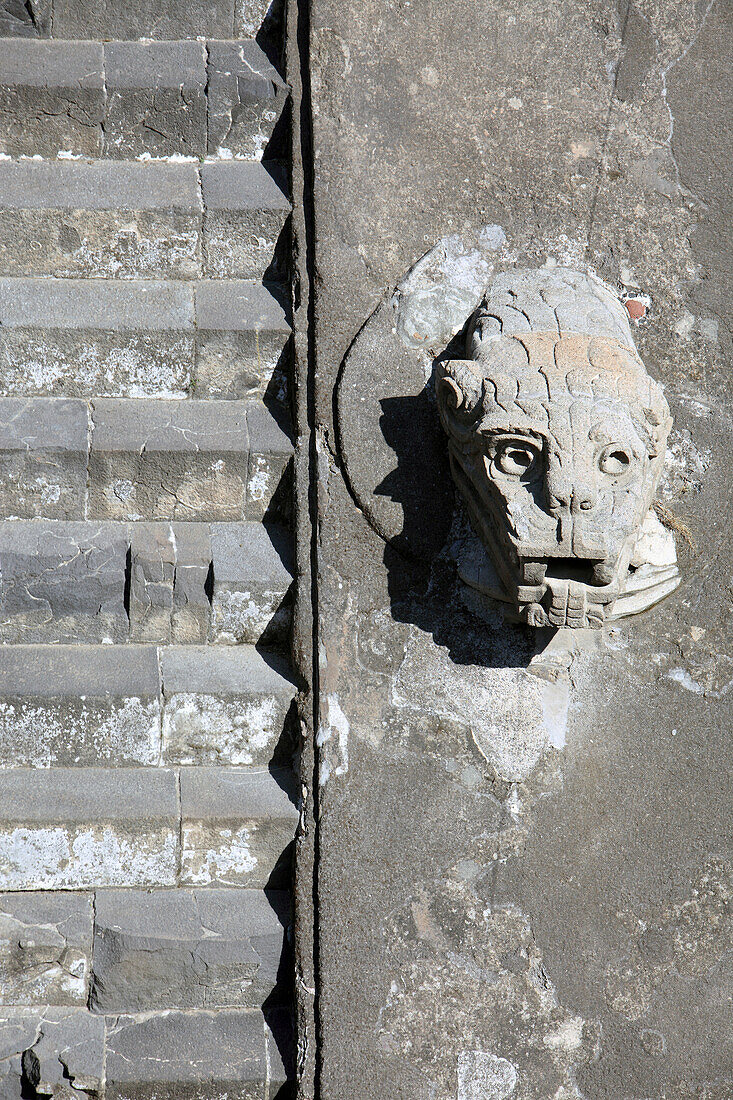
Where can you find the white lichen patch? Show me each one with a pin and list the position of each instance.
(213, 854)
(483, 1076)
(66, 732)
(242, 617)
(332, 739)
(206, 729)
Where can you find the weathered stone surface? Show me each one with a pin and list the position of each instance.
(29, 19)
(100, 218)
(45, 948)
(76, 706)
(238, 826)
(73, 338)
(245, 212)
(168, 460)
(191, 610)
(252, 577)
(157, 98)
(207, 1055)
(85, 827)
(186, 949)
(222, 705)
(62, 582)
(246, 96)
(153, 563)
(56, 1052)
(241, 332)
(268, 486)
(281, 1052)
(43, 457)
(251, 15)
(143, 19)
(52, 98)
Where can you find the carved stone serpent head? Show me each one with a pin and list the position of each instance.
(557, 437)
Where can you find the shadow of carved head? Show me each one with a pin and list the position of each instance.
(557, 437)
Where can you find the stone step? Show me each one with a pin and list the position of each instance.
(127, 99)
(208, 948)
(60, 1052)
(130, 459)
(140, 338)
(87, 828)
(151, 19)
(123, 219)
(84, 706)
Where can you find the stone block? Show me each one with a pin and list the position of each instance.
(184, 460)
(43, 457)
(62, 582)
(223, 705)
(281, 1052)
(241, 333)
(25, 18)
(52, 98)
(246, 98)
(191, 601)
(76, 828)
(45, 948)
(153, 566)
(157, 98)
(76, 706)
(252, 576)
(74, 337)
(53, 1052)
(238, 826)
(269, 481)
(186, 949)
(100, 219)
(208, 1056)
(109, 19)
(245, 212)
(249, 15)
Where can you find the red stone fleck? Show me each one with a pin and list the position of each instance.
(635, 308)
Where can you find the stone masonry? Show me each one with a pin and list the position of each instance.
(148, 802)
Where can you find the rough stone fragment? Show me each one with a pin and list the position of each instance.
(153, 563)
(52, 98)
(186, 949)
(223, 706)
(62, 582)
(246, 97)
(249, 15)
(245, 212)
(237, 826)
(99, 219)
(78, 706)
(25, 18)
(281, 1053)
(268, 485)
(108, 19)
(208, 1056)
(252, 577)
(43, 457)
(191, 610)
(241, 333)
(45, 948)
(84, 827)
(76, 337)
(157, 98)
(54, 1052)
(168, 460)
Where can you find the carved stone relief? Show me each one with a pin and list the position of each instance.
(557, 437)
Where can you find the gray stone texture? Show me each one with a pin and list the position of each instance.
(269, 482)
(223, 705)
(157, 98)
(238, 826)
(173, 19)
(241, 332)
(74, 337)
(153, 565)
(55, 1052)
(246, 97)
(191, 611)
(208, 1055)
(100, 218)
(45, 948)
(52, 98)
(534, 907)
(25, 18)
(62, 582)
(245, 212)
(252, 567)
(186, 949)
(43, 458)
(181, 460)
(77, 828)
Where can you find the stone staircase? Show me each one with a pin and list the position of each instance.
(148, 802)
